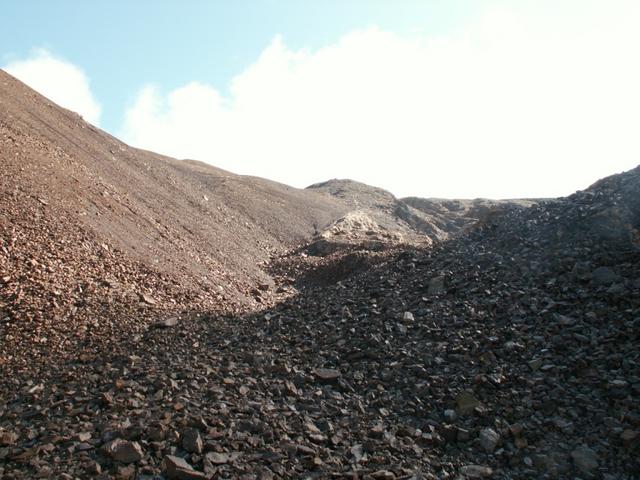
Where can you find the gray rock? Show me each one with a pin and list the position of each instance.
(436, 285)
(489, 439)
(604, 276)
(166, 322)
(148, 299)
(585, 459)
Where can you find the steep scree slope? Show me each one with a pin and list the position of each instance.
(89, 225)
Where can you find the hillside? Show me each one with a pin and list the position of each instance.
(165, 319)
(91, 225)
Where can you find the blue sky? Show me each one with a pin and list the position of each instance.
(448, 98)
(122, 44)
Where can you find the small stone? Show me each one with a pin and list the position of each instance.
(124, 451)
(383, 475)
(166, 322)
(83, 436)
(192, 441)
(535, 364)
(475, 471)
(436, 285)
(408, 317)
(516, 429)
(618, 383)
(44, 472)
(585, 459)
(450, 415)
(463, 435)
(617, 289)
(543, 463)
(489, 439)
(521, 443)
(7, 438)
(217, 458)
(157, 433)
(466, 402)
(94, 468)
(179, 469)
(106, 398)
(147, 299)
(327, 375)
(449, 433)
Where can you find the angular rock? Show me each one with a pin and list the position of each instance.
(327, 375)
(466, 402)
(124, 451)
(148, 299)
(179, 469)
(166, 322)
(489, 439)
(192, 441)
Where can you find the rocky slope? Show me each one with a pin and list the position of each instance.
(413, 218)
(167, 320)
(99, 237)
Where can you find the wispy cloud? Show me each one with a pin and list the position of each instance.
(59, 80)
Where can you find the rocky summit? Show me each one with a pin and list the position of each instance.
(163, 319)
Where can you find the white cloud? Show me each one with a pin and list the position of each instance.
(62, 82)
(518, 103)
